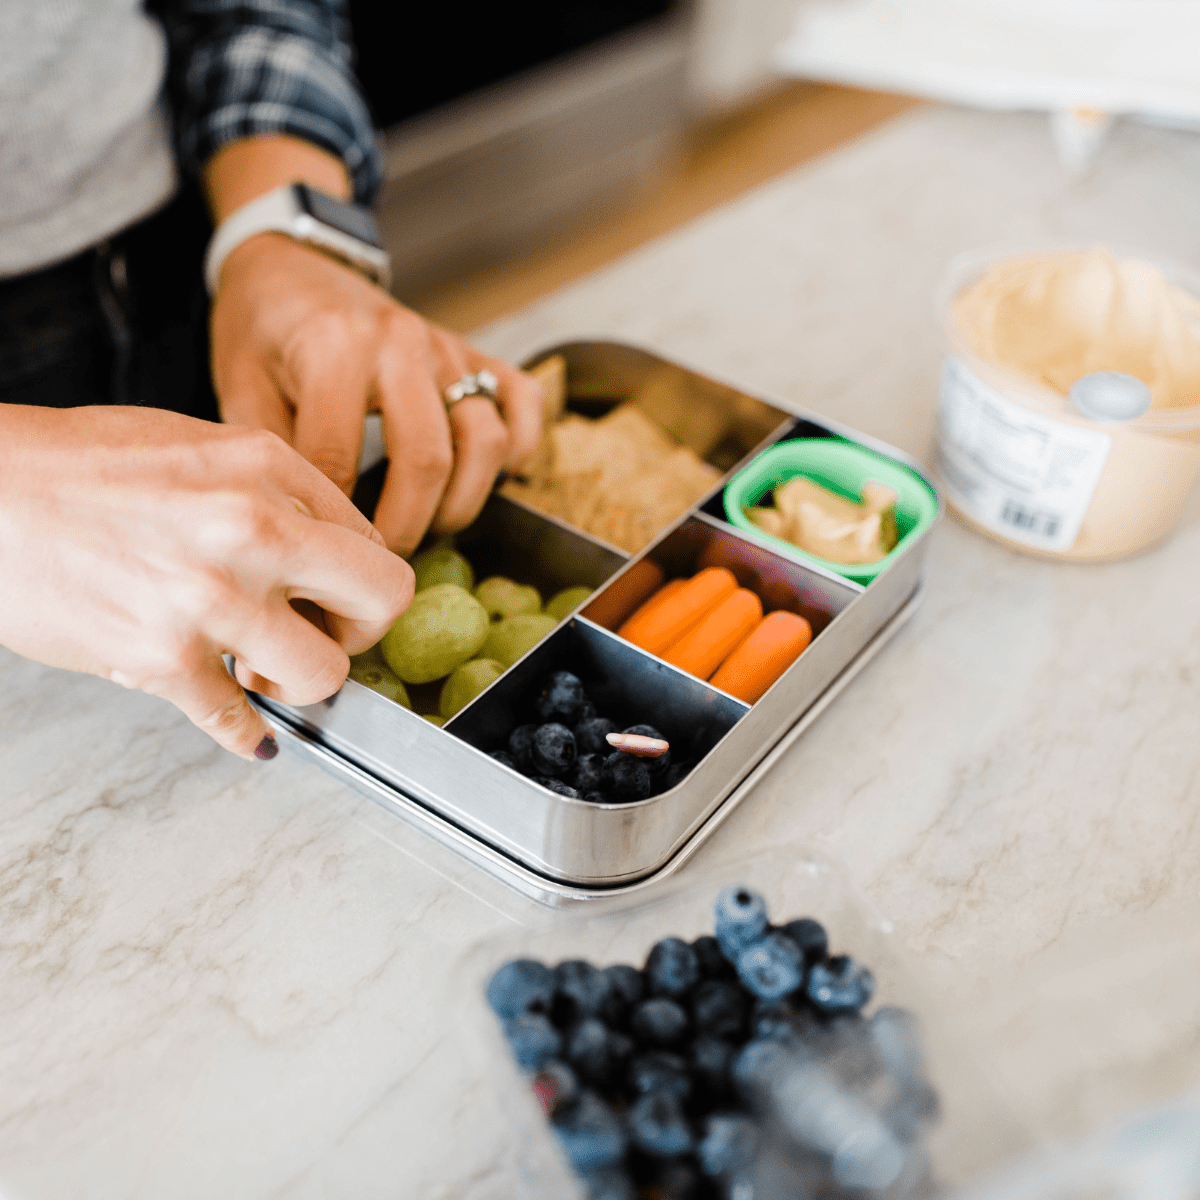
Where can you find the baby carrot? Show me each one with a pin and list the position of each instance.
(637, 622)
(770, 648)
(702, 649)
(683, 609)
(614, 604)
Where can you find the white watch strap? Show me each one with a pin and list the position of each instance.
(280, 212)
(274, 212)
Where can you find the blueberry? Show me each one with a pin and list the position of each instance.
(676, 774)
(610, 1183)
(713, 964)
(678, 1180)
(503, 757)
(741, 919)
(659, 1071)
(727, 1144)
(911, 1109)
(654, 766)
(560, 699)
(597, 798)
(897, 1040)
(521, 986)
(658, 1127)
(810, 938)
(712, 1063)
(590, 736)
(719, 1009)
(586, 713)
(621, 1048)
(847, 1048)
(520, 748)
(592, 1134)
(581, 989)
(587, 1049)
(625, 989)
(553, 750)
(757, 1066)
(556, 1087)
(776, 1020)
(659, 1022)
(839, 985)
(532, 1039)
(772, 967)
(625, 777)
(672, 968)
(556, 786)
(586, 777)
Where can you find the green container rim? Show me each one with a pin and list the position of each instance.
(842, 467)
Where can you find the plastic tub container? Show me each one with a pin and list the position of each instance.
(841, 467)
(973, 1134)
(1019, 462)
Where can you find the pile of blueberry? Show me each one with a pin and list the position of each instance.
(736, 1067)
(568, 753)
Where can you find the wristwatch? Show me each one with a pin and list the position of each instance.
(344, 231)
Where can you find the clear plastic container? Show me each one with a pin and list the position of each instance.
(974, 1132)
(1021, 463)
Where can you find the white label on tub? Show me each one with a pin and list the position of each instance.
(1023, 476)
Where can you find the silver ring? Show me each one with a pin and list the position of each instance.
(482, 383)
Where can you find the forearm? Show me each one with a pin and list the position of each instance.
(243, 170)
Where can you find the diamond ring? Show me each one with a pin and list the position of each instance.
(482, 383)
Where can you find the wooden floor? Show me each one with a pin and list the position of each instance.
(719, 162)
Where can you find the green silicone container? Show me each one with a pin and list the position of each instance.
(842, 467)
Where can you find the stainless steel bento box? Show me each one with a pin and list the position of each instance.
(555, 847)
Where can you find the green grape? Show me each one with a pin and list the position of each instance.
(503, 598)
(433, 719)
(442, 564)
(510, 638)
(566, 601)
(368, 658)
(381, 680)
(466, 682)
(442, 627)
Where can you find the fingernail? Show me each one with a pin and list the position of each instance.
(267, 748)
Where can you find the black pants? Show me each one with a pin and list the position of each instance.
(125, 322)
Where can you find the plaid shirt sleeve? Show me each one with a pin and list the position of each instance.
(239, 68)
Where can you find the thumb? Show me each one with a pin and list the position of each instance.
(214, 701)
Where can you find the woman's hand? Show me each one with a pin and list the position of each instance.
(140, 545)
(305, 347)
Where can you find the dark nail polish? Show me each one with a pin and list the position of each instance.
(267, 748)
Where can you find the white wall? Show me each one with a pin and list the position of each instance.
(733, 54)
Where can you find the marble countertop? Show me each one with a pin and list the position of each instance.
(222, 979)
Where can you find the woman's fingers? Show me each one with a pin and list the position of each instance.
(274, 465)
(420, 449)
(331, 378)
(520, 404)
(287, 657)
(480, 443)
(360, 586)
(248, 396)
(481, 438)
(213, 701)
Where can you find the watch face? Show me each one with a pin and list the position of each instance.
(348, 218)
